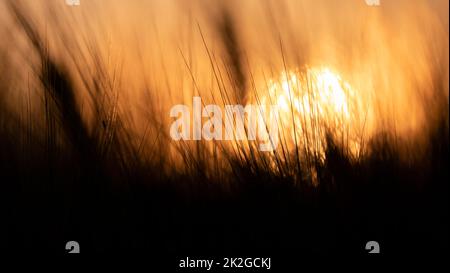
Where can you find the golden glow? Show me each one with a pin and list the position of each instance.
(384, 71)
(313, 103)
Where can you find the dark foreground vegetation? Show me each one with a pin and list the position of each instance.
(66, 182)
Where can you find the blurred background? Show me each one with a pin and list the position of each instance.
(85, 95)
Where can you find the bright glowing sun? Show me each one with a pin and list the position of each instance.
(312, 104)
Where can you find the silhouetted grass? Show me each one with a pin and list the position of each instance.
(88, 178)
